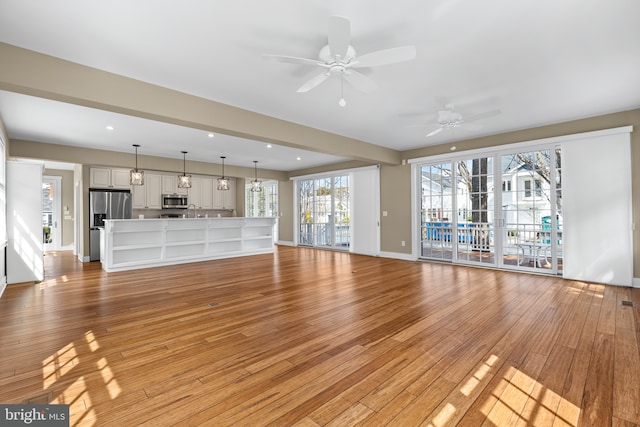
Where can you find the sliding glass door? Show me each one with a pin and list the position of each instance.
(503, 210)
(436, 209)
(532, 210)
(476, 220)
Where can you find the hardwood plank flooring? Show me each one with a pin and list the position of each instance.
(307, 337)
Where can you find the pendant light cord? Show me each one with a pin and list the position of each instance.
(136, 147)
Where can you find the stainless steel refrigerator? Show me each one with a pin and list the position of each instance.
(103, 205)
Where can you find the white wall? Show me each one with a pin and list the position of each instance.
(25, 252)
(596, 192)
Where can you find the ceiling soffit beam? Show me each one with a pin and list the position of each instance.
(32, 73)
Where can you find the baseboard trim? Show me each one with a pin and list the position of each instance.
(636, 282)
(398, 255)
(84, 258)
(3, 286)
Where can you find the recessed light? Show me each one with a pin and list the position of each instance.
(210, 135)
(269, 145)
(298, 158)
(453, 148)
(109, 127)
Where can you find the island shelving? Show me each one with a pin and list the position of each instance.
(128, 244)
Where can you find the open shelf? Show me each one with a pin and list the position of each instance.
(134, 244)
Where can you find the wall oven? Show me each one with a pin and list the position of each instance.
(174, 201)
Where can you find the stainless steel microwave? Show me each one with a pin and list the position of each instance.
(174, 201)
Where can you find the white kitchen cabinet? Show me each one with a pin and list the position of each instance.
(224, 199)
(109, 178)
(206, 193)
(138, 196)
(149, 195)
(170, 185)
(194, 192)
(201, 192)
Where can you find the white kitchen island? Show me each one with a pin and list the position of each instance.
(129, 244)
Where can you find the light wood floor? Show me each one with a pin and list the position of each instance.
(308, 337)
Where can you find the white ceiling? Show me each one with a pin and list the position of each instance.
(537, 61)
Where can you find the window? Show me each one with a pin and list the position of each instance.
(262, 203)
(530, 186)
(527, 188)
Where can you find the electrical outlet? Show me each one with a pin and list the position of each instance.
(403, 243)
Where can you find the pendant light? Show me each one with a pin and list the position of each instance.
(223, 182)
(136, 177)
(256, 185)
(184, 180)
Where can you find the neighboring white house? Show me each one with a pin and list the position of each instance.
(526, 199)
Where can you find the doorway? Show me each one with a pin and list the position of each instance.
(325, 212)
(51, 202)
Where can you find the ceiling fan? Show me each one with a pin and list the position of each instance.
(338, 58)
(449, 118)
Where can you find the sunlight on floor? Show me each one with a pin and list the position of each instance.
(91, 341)
(109, 379)
(53, 282)
(517, 399)
(449, 410)
(475, 379)
(443, 416)
(59, 364)
(524, 399)
(76, 395)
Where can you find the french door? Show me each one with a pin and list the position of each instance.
(502, 210)
(325, 212)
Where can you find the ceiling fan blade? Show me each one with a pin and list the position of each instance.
(387, 56)
(360, 81)
(434, 132)
(339, 35)
(481, 116)
(292, 59)
(313, 82)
